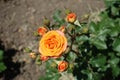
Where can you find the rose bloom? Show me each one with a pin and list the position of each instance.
(71, 17)
(62, 66)
(53, 44)
(42, 31)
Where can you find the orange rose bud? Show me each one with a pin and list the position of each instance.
(44, 58)
(62, 28)
(62, 66)
(42, 31)
(71, 17)
(53, 44)
(33, 55)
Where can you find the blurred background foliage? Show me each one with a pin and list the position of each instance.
(2, 65)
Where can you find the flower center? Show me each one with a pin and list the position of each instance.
(62, 66)
(51, 42)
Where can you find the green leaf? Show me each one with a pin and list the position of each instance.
(76, 28)
(97, 76)
(114, 31)
(82, 38)
(38, 61)
(98, 61)
(114, 10)
(93, 27)
(103, 68)
(50, 68)
(102, 34)
(56, 76)
(28, 50)
(2, 66)
(88, 73)
(51, 72)
(99, 43)
(116, 45)
(90, 76)
(104, 16)
(109, 2)
(46, 77)
(60, 59)
(115, 71)
(1, 55)
(70, 68)
(57, 17)
(118, 54)
(102, 37)
(114, 61)
(50, 76)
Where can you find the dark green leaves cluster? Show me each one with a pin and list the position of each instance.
(57, 18)
(2, 65)
(100, 47)
(51, 71)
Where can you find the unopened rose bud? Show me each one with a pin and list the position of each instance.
(71, 27)
(62, 66)
(67, 11)
(37, 60)
(44, 58)
(32, 55)
(85, 30)
(71, 18)
(62, 28)
(71, 65)
(35, 33)
(46, 22)
(42, 31)
(53, 65)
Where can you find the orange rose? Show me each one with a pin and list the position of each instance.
(53, 44)
(42, 31)
(71, 17)
(44, 58)
(62, 66)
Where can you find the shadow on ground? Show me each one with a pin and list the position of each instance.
(13, 68)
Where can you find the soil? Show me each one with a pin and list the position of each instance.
(19, 19)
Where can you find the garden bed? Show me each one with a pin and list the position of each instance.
(18, 21)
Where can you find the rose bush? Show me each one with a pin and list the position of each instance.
(88, 49)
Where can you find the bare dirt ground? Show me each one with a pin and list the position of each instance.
(18, 21)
